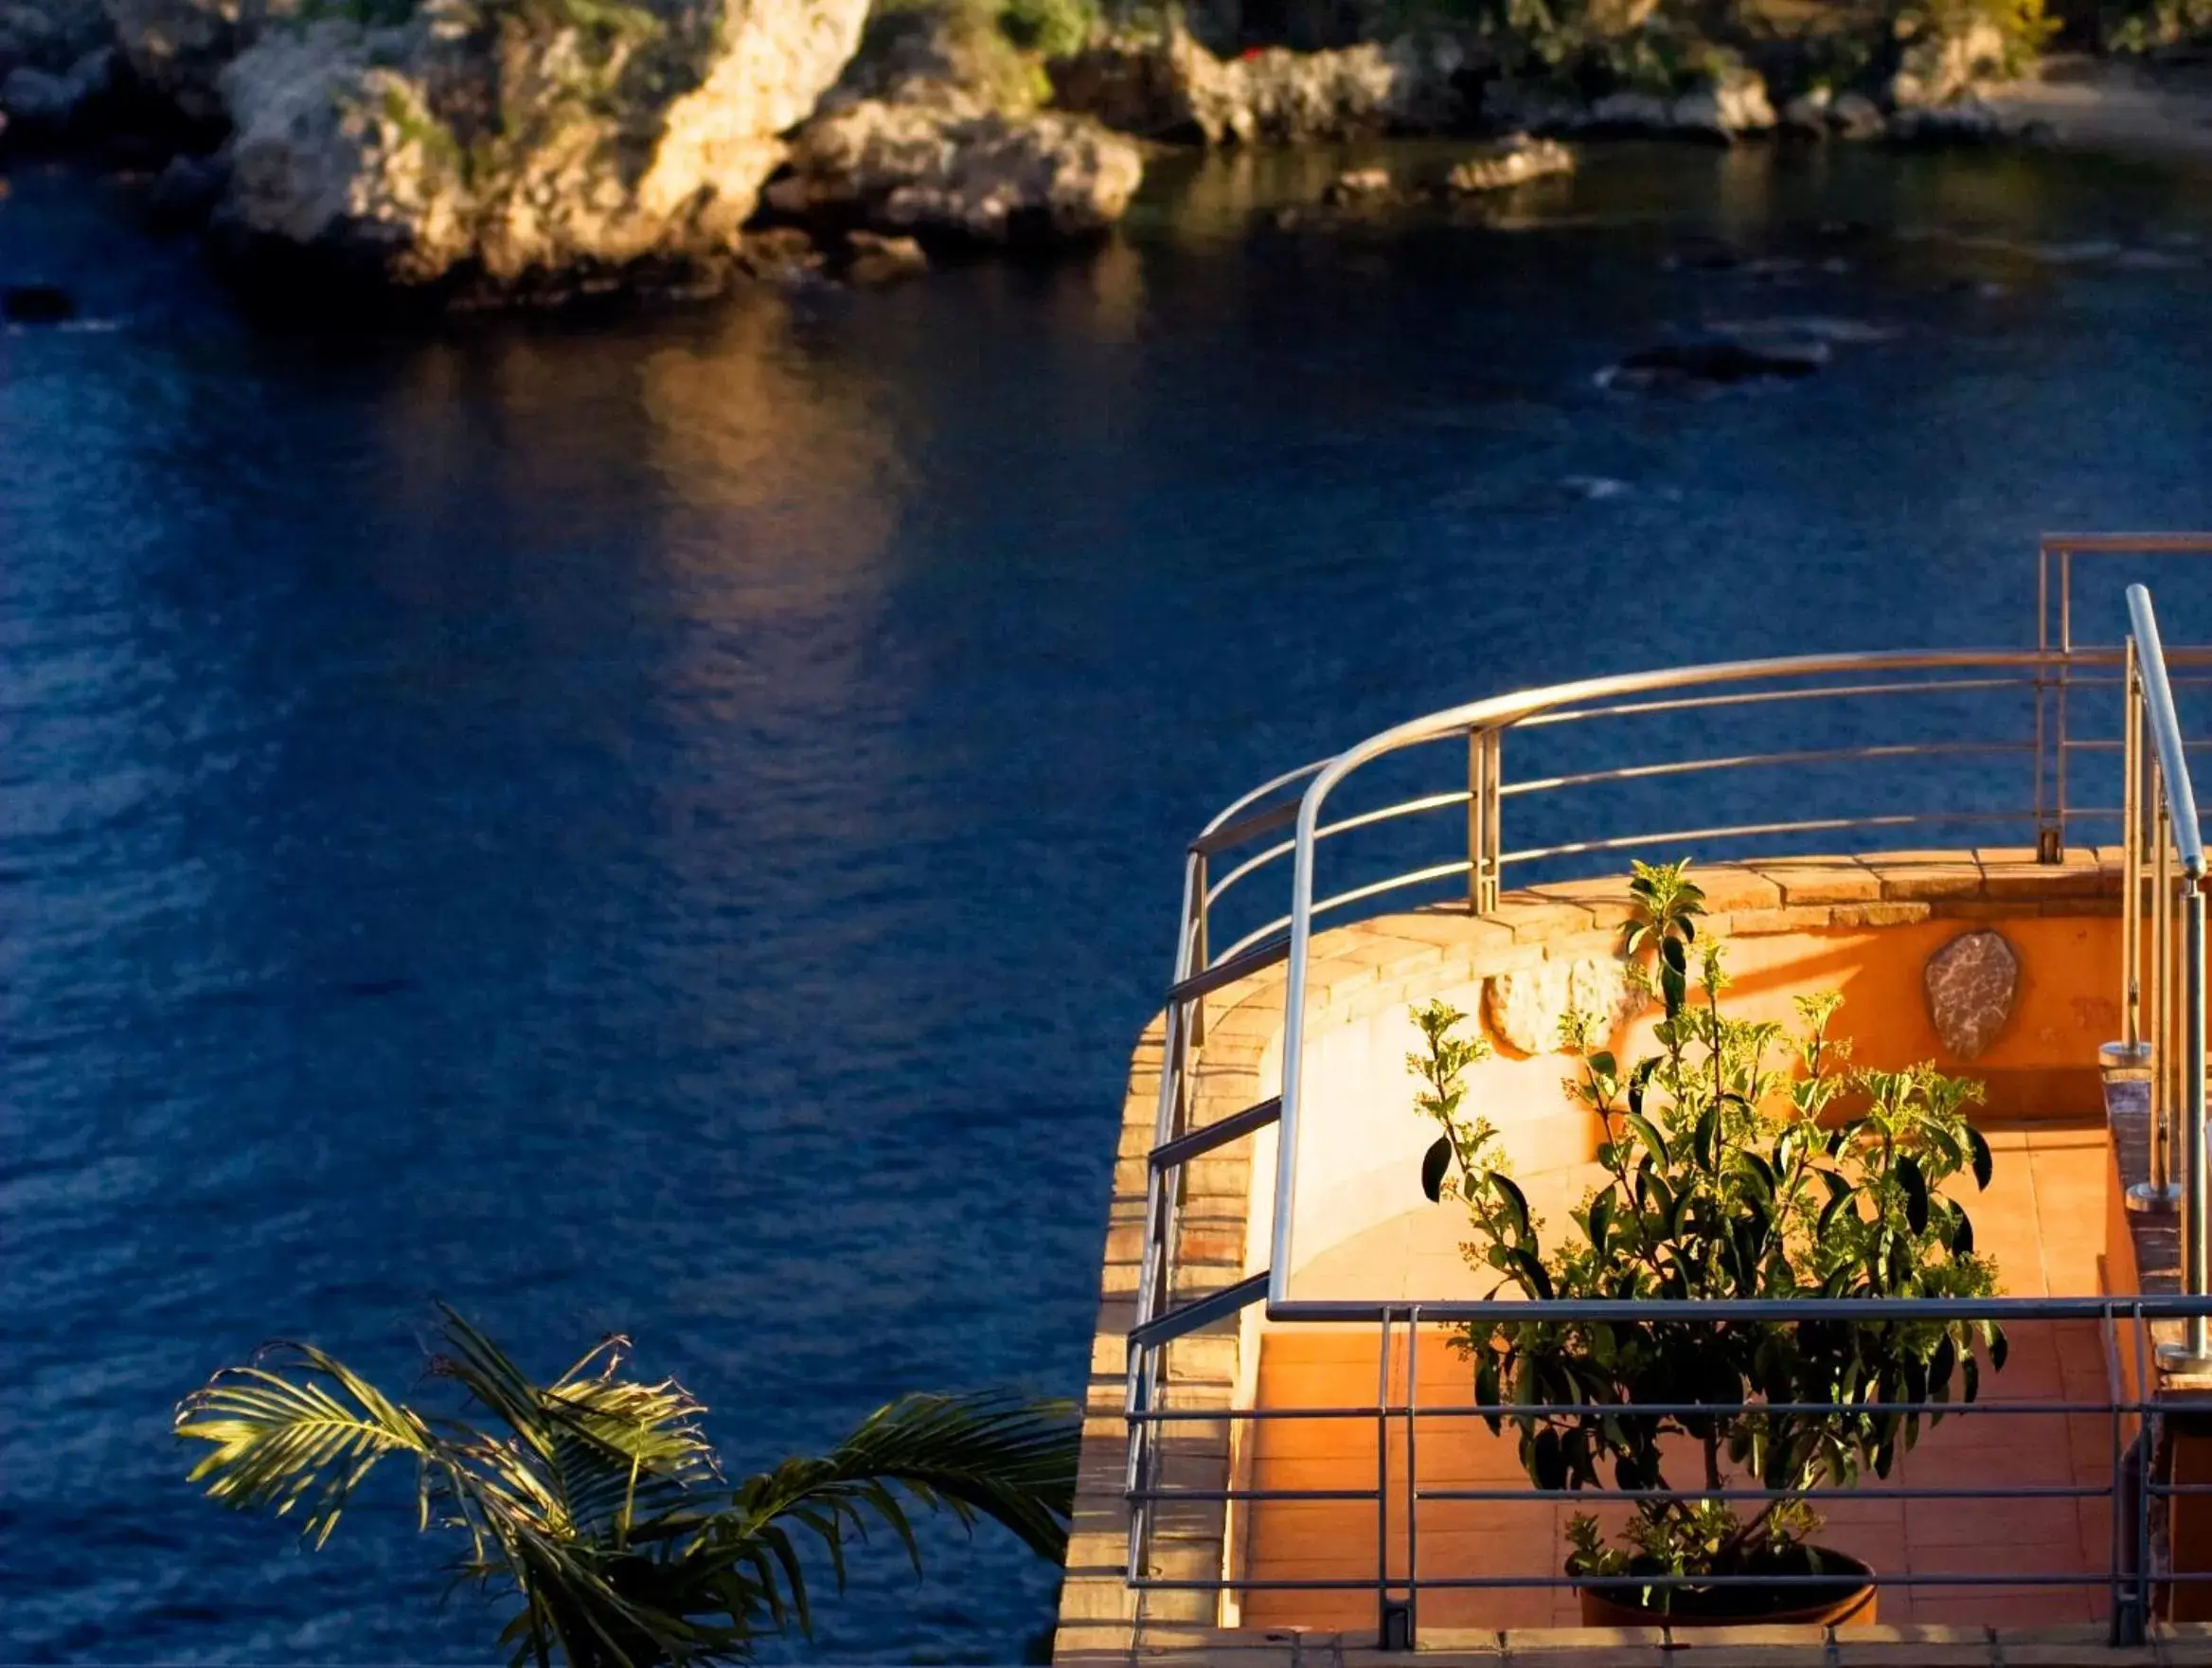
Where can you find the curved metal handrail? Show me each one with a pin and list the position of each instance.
(1501, 712)
(2051, 670)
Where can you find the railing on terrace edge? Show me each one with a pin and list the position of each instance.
(2160, 807)
(2150, 738)
(2130, 1579)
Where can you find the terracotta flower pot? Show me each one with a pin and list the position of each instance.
(1848, 1603)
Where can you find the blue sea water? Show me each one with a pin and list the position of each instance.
(670, 823)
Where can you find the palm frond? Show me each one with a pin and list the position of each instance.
(621, 1451)
(989, 1456)
(486, 1372)
(278, 1440)
(596, 1501)
(994, 1455)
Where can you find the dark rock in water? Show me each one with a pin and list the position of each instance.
(185, 193)
(875, 259)
(1704, 257)
(37, 304)
(1714, 363)
(783, 255)
(34, 102)
(1360, 184)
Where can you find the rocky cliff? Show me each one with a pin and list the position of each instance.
(521, 145)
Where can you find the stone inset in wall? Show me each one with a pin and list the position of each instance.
(1526, 1005)
(1970, 984)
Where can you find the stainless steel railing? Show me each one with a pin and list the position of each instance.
(1377, 1532)
(2160, 809)
(1218, 866)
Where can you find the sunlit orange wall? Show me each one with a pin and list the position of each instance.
(1360, 1137)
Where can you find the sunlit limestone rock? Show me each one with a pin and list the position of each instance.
(1970, 985)
(947, 167)
(1938, 67)
(512, 147)
(1733, 103)
(1171, 87)
(1511, 162)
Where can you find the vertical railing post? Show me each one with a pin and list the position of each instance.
(2158, 1191)
(2132, 751)
(1478, 811)
(1413, 1479)
(1382, 1614)
(1199, 952)
(2193, 1246)
(2163, 1080)
(1494, 824)
(2051, 839)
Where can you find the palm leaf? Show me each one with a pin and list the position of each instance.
(596, 1501)
(278, 1440)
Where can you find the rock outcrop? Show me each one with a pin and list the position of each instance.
(1512, 161)
(1717, 362)
(50, 36)
(1171, 87)
(1731, 104)
(976, 174)
(1937, 67)
(178, 49)
(41, 105)
(509, 150)
(927, 133)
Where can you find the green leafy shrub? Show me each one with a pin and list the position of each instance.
(1053, 28)
(1742, 1162)
(2023, 27)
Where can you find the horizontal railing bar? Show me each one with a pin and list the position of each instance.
(2116, 745)
(1196, 1313)
(1753, 761)
(1876, 1578)
(1414, 878)
(1410, 808)
(2051, 1492)
(1744, 831)
(1237, 807)
(1228, 970)
(1375, 888)
(2126, 544)
(1215, 1496)
(2057, 662)
(2142, 1306)
(1257, 860)
(1244, 828)
(1185, 1148)
(1755, 697)
(1258, 935)
(1628, 1411)
(1208, 1583)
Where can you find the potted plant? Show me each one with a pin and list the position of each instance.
(1740, 1162)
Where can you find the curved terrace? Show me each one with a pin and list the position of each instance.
(1285, 1451)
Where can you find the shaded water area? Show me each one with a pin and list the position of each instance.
(670, 823)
